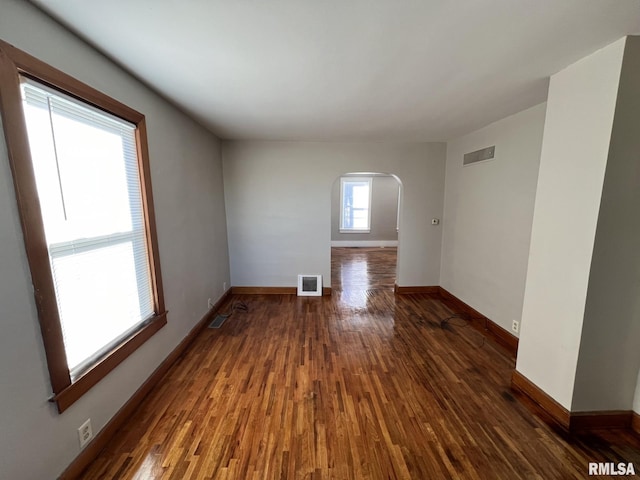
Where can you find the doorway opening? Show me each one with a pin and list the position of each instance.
(365, 231)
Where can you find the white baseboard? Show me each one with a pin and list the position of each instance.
(364, 243)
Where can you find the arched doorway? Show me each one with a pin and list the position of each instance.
(365, 232)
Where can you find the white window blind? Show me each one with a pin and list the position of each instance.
(86, 169)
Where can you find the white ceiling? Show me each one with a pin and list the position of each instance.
(418, 70)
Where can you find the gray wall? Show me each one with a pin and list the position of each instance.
(609, 357)
(37, 442)
(488, 211)
(278, 199)
(575, 146)
(384, 211)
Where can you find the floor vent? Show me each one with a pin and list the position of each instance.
(218, 321)
(309, 285)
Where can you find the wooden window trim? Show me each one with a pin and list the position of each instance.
(13, 64)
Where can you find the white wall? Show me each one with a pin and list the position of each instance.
(384, 212)
(37, 442)
(488, 210)
(278, 199)
(580, 109)
(609, 356)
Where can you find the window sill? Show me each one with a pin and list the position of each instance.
(73, 392)
(355, 231)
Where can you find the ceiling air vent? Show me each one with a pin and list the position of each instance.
(479, 155)
(309, 285)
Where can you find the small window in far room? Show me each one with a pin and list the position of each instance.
(355, 205)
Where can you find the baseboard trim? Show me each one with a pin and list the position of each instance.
(91, 451)
(364, 243)
(580, 422)
(481, 323)
(547, 407)
(405, 290)
(573, 422)
(264, 290)
(326, 291)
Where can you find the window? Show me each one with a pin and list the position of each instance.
(355, 205)
(80, 167)
(86, 169)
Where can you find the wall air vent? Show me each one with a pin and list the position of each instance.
(479, 155)
(309, 285)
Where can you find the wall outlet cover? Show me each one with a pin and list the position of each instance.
(85, 433)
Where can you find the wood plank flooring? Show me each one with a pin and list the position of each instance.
(363, 384)
(358, 269)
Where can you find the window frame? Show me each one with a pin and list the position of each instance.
(15, 63)
(341, 226)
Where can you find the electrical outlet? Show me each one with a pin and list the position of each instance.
(224, 287)
(210, 304)
(85, 434)
(515, 326)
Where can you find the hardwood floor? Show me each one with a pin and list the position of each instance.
(363, 384)
(363, 268)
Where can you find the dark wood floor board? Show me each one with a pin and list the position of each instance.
(364, 384)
